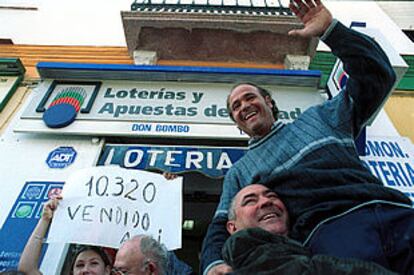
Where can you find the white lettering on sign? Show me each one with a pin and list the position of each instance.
(136, 160)
(192, 159)
(392, 161)
(117, 204)
(62, 157)
(224, 161)
(170, 159)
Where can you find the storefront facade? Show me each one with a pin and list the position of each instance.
(155, 118)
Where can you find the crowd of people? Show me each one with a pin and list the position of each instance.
(299, 201)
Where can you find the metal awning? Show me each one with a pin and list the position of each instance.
(246, 7)
(304, 78)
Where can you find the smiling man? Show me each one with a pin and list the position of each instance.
(336, 205)
(258, 206)
(259, 223)
(257, 117)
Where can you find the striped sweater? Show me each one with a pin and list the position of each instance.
(312, 163)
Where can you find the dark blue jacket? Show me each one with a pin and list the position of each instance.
(312, 163)
(256, 251)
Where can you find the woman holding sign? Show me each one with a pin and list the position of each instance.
(88, 259)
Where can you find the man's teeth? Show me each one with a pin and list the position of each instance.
(269, 216)
(249, 115)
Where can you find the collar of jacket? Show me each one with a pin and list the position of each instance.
(277, 125)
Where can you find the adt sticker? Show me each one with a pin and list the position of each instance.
(61, 157)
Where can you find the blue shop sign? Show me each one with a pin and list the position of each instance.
(211, 161)
(22, 219)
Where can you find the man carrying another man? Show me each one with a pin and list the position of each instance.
(336, 206)
(258, 224)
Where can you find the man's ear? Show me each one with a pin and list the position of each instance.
(152, 268)
(268, 101)
(231, 227)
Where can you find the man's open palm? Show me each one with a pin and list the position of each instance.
(313, 15)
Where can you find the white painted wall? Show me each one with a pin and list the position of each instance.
(401, 12)
(75, 22)
(375, 17)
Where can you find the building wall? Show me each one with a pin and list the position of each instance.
(400, 109)
(76, 22)
(401, 12)
(13, 106)
(400, 105)
(30, 55)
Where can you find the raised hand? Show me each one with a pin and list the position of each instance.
(313, 14)
(50, 207)
(29, 260)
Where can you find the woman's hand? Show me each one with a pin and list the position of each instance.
(50, 207)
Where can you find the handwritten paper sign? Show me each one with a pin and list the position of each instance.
(107, 205)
